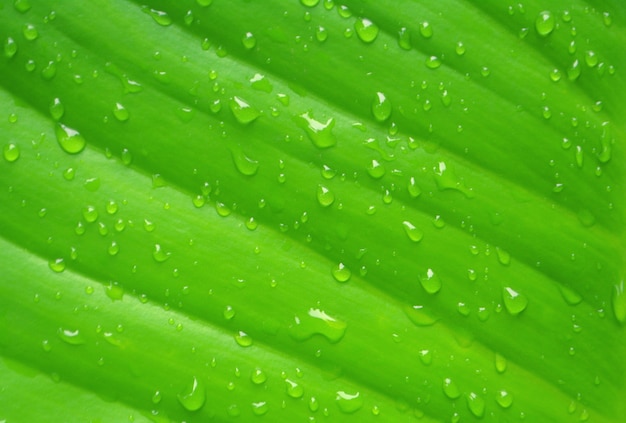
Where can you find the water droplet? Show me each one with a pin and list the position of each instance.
(160, 17)
(114, 291)
(404, 38)
(324, 196)
(460, 48)
(260, 408)
(381, 107)
(503, 256)
(376, 170)
(317, 321)
(243, 112)
(244, 164)
(412, 232)
(414, 190)
(500, 363)
(476, 404)
(294, 390)
(56, 109)
(159, 254)
(514, 302)
(545, 22)
(349, 403)
(314, 405)
(591, 58)
(606, 139)
(321, 34)
(430, 282)
(71, 336)
(426, 30)
(90, 214)
(447, 179)
(366, 30)
(420, 316)
(70, 140)
(30, 32)
(320, 133)
(243, 339)
(504, 399)
(249, 41)
(260, 83)
(451, 389)
(555, 75)
(433, 62)
(120, 112)
(11, 152)
(22, 6)
(618, 301)
(573, 72)
(49, 71)
(57, 265)
(309, 3)
(193, 396)
(10, 48)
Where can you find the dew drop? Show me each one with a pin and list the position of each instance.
(555, 75)
(349, 403)
(366, 30)
(71, 336)
(22, 6)
(57, 110)
(514, 302)
(30, 32)
(376, 170)
(430, 282)
(193, 396)
(11, 152)
(120, 112)
(49, 71)
(243, 112)
(476, 404)
(258, 376)
(504, 399)
(309, 3)
(381, 107)
(90, 214)
(573, 72)
(341, 273)
(160, 17)
(503, 256)
(159, 254)
(294, 389)
(500, 363)
(70, 140)
(249, 41)
(260, 83)
(244, 164)
(426, 30)
(591, 58)
(451, 389)
(57, 265)
(447, 179)
(324, 196)
(412, 231)
(243, 339)
(545, 22)
(460, 48)
(404, 38)
(10, 48)
(317, 321)
(420, 316)
(618, 301)
(318, 132)
(259, 408)
(433, 62)
(414, 190)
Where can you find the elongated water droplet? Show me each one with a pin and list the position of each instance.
(56, 109)
(412, 232)
(503, 256)
(324, 196)
(70, 140)
(447, 179)
(570, 296)
(341, 273)
(319, 133)
(451, 389)
(366, 30)
(430, 282)
(71, 336)
(573, 72)
(49, 71)
(159, 254)
(317, 321)
(159, 16)
(514, 302)
(500, 363)
(545, 22)
(404, 38)
(381, 107)
(420, 316)
(120, 112)
(10, 48)
(193, 396)
(349, 403)
(414, 190)
(619, 302)
(11, 152)
(426, 30)
(476, 404)
(606, 140)
(243, 112)
(244, 164)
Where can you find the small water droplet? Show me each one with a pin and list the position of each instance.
(376, 169)
(420, 316)
(10, 48)
(555, 75)
(430, 282)
(504, 399)
(341, 273)
(503, 256)
(49, 71)
(243, 339)
(545, 23)
(414, 190)
(244, 164)
(426, 30)
(71, 336)
(243, 112)
(324, 196)
(260, 408)
(381, 107)
(193, 396)
(404, 38)
(366, 30)
(317, 321)
(412, 231)
(460, 48)
(309, 3)
(30, 32)
(349, 403)
(451, 389)
(120, 112)
(56, 109)
(70, 140)
(433, 62)
(159, 254)
(258, 376)
(591, 58)
(476, 404)
(319, 133)
(57, 265)
(321, 34)
(294, 389)
(11, 152)
(618, 302)
(514, 302)
(500, 362)
(573, 72)
(249, 41)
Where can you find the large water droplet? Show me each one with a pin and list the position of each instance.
(447, 179)
(376, 169)
(244, 164)
(294, 389)
(349, 403)
(193, 396)
(30, 32)
(49, 71)
(70, 140)
(325, 196)
(514, 302)
(545, 22)
(341, 273)
(381, 107)
(317, 321)
(413, 188)
(404, 38)
(426, 30)
(476, 404)
(450, 388)
(260, 408)
(420, 316)
(159, 16)
(412, 232)
(433, 62)
(11, 152)
(430, 282)
(366, 30)
(258, 376)
(159, 254)
(120, 112)
(243, 112)
(320, 133)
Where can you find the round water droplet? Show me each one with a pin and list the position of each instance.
(341, 273)
(22, 6)
(366, 30)
(258, 376)
(294, 389)
(57, 265)
(11, 152)
(412, 232)
(243, 339)
(426, 30)
(430, 282)
(504, 399)
(317, 321)
(433, 62)
(381, 107)
(243, 112)
(318, 132)
(70, 140)
(159, 254)
(49, 71)
(514, 302)
(249, 41)
(460, 48)
(10, 48)
(120, 112)
(618, 302)
(451, 389)
(90, 214)
(349, 403)
(71, 336)
(324, 196)
(476, 404)
(420, 316)
(30, 32)
(321, 34)
(376, 170)
(545, 22)
(260, 408)
(193, 396)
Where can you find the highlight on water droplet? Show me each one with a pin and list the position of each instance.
(430, 282)
(381, 107)
(11, 152)
(514, 302)
(318, 132)
(49, 71)
(476, 404)
(193, 396)
(324, 196)
(366, 30)
(317, 322)
(70, 140)
(243, 112)
(348, 402)
(412, 231)
(545, 23)
(341, 273)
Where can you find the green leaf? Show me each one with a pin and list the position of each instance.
(312, 211)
